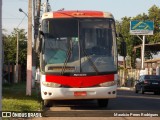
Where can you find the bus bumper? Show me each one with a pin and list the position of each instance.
(49, 93)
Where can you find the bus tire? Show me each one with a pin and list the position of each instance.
(102, 102)
(47, 103)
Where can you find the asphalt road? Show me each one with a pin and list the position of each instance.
(126, 102)
(127, 106)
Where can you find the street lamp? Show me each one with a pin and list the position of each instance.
(17, 51)
(20, 10)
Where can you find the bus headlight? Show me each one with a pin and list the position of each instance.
(110, 83)
(51, 84)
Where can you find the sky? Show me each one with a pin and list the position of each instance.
(12, 18)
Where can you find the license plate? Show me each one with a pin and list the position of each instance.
(80, 93)
(155, 83)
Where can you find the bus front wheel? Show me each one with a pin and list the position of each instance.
(103, 102)
(47, 103)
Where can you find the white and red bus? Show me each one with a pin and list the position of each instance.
(78, 56)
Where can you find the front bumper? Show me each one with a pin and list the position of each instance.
(49, 93)
(151, 88)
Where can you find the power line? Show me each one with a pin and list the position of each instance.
(23, 0)
(21, 21)
(11, 18)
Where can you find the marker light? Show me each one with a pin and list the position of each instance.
(51, 84)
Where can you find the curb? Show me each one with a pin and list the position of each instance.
(125, 88)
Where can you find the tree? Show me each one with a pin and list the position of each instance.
(10, 46)
(154, 15)
(124, 26)
(131, 41)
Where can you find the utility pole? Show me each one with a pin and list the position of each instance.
(143, 52)
(36, 14)
(39, 9)
(36, 21)
(0, 55)
(124, 71)
(16, 78)
(33, 51)
(124, 53)
(46, 6)
(29, 50)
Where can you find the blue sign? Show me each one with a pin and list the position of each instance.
(141, 27)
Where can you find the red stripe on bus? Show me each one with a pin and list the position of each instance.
(83, 81)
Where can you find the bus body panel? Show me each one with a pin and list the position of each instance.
(62, 93)
(80, 81)
(68, 93)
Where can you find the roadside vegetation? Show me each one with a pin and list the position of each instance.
(123, 27)
(14, 98)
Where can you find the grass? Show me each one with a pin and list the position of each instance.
(14, 98)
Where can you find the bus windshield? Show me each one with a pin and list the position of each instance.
(72, 46)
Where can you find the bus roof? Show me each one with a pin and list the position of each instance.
(77, 14)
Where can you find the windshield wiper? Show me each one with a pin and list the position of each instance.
(89, 59)
(68, 57)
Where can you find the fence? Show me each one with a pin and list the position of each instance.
(129, 76)
(9, 72)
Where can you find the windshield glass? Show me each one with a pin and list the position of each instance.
(79, 46)
(152, 77)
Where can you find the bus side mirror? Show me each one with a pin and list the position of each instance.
(123, 49)
(38, 45)
(41, 33)
(39, 42)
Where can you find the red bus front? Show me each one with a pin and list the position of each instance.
(78, 58)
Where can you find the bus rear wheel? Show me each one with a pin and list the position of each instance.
(102, 102)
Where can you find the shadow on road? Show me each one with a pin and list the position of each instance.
(77, 105)
(128, 100)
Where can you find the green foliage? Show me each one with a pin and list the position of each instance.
(154, 15)
(10, 46)
(123, 28)
(14, 98)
